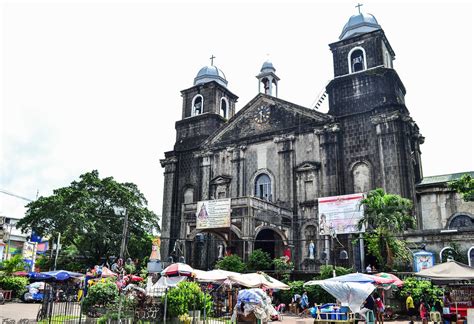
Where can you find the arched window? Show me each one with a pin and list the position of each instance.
(224, 107)
(310, 233)
(197, 107)
(189, 196)
(263, 187)
(357, 61)
(361, 176)
(461, 221)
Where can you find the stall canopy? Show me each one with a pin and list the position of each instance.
(351, 294)
(216, 275)
(448, 271)
(360, 278)
(397, 281)
(258, 280)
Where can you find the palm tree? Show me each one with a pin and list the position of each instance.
(385, 217)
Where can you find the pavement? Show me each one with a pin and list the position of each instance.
(17, 311)
(287, 319)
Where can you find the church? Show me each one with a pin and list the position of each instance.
(271, 161)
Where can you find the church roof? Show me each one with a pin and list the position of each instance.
(359, 24)
(210, 73)
(440, 179)
(286, 117)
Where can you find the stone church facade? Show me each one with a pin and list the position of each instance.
(273, 159)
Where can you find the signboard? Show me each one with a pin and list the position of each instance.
(213, 214)
(340, 214)
(422, 260)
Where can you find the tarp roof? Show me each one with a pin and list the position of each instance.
(448, 271)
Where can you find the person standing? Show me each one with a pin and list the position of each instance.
(304, 303)
(380, 308)
(423, 311)
(410, 306)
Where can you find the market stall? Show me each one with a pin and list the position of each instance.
(454, 276)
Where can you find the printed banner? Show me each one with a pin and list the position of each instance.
(340, 214)
(213, 214)
(422, 260)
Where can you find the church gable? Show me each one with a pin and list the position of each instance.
(266, 116)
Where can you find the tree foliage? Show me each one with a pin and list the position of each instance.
(259, 260)
(283, 268)
(420, 289)
(231, 263)
(85, 215)
(385, 217)
(15, 263)
(188, 296)
(464, 186)
(101, 294)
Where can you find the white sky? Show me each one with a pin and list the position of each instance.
(96, 84)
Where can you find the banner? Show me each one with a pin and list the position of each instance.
(422, 260)
(213, 214)
(340, 214)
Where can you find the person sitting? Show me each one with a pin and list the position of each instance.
(369, 304)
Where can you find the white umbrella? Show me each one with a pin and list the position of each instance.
(352, 294)
(257, 280)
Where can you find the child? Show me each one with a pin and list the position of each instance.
(380, 308)
(423, 312)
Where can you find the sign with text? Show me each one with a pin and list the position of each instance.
(213, 214)
(340, 214)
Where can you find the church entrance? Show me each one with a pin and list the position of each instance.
(269, 241)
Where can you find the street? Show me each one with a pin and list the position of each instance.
(18, 311)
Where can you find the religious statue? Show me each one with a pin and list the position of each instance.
(155, 249)
(311, 250)
(220, 251)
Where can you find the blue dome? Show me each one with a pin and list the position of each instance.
(267, 67)
(359, 24)
(210, 73)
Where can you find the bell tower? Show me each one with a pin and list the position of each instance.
(206, 106)
(268, 80)
(378, 143)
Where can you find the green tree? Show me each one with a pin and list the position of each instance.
(15, 263)
(420, 289)
(231, 263)
(84, 214)
(385, 217)
(283, 268)
(259, 260)
(464, 186)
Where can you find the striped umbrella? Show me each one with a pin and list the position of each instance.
(397, 281)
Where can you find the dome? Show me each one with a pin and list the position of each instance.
(267, 67)
(359, 24)
(210, 73)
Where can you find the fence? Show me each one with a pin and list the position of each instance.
(60, 305)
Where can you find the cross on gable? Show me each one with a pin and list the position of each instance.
(358, 6)
(212, 59)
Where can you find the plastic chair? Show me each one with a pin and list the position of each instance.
(370, 317)
(435, 317)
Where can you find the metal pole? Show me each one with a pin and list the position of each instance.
(10, 225)
(334, 257)
(124, 235)
(362, 252)
(57, 251)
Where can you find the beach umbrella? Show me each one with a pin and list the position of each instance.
(352, 294)
(362, 278)
(177, 269)
(397, 281)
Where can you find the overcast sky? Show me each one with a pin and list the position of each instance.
(96, 84)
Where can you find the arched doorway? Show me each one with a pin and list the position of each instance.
(269, 241)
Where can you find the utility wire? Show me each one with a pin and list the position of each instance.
(15, 195)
